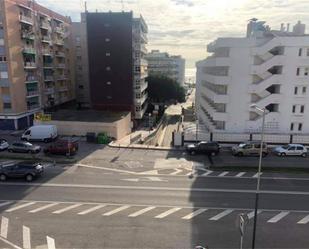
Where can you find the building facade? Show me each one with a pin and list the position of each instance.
(35, 62)
(110, 65)
(267, 68)
(161, 63)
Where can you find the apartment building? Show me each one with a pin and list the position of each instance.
(35, 62)
(161, 63)
(269, 68)
(110, 65)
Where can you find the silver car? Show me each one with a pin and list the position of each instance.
(291, 150)
(24, 147)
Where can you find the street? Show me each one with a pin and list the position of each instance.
(123, 198)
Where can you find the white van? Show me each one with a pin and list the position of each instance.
(44, 133)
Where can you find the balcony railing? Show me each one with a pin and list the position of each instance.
(32, 93)
(48, 78)
(61, 77)
(59, 30)
(29, 50)
(49, 90)
(48, 65)
(31, 78)
(59, 42)
(46, 39)
(47, 52)
(45, 25)
(63, 89)
(29, 65)
(60, 54)
(27, 35)
(61, 65)
(25, 19)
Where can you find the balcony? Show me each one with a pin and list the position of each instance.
(218, 80)
(142, 99)
(27, 35)
(46, 52)
(48, 78)
(32, 94)
(214, 97)
(139, 88)
(26, 19)
(31, 79)
(59, 42)
(29, 65)
(61, 65)
(63, 89)
(139, 114)
(46, 39)
(29, 50)
(61, 77)
(49, 90)
(217, 61)
(141, 62)
(59, 54)
(59, 30)
(48, 65)
(45, 25)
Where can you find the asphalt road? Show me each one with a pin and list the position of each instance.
(148, 199)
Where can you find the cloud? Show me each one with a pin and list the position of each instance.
(186, 26)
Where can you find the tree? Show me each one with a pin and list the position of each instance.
(164, 89)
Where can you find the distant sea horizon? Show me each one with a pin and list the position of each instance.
(190, 75)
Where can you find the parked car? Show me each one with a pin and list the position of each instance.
(250, 148)
(203, 147)
(291, 150)
(63, 146)
(45, 133)
(24, 147)
(26, 169)
(3, 144)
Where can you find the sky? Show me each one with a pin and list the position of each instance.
(185, 27)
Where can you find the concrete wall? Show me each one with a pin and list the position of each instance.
(118, 129)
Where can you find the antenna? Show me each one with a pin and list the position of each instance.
(86, 6)
(122, 5)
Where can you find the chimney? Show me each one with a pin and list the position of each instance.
(282, 27)
(288, 27)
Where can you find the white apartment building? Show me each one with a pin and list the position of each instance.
(161, 63)
(268, 68)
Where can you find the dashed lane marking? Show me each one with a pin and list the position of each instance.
(26, 238)
(224, 173)
(251, 214)
(20, 206)
(257, 174)
(89, 210)
(60, 211)
(207, 173)
(43, 208)
(304, 220)
(50, 243)
(176, 172)
(166, 213)
(117, 210)
(4, 227)
(5, 203)
(240, 174)
(278, 217)
(142, 211)
(222, 214)
(195, 213)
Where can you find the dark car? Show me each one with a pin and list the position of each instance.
(64, 146)
(28, 170)
(212, 148)
(24, 147)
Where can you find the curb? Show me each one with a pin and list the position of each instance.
(140, 147)
(264, 169)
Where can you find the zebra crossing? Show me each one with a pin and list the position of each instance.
(133, 211)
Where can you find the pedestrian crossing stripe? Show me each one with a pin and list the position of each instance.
(80, 209)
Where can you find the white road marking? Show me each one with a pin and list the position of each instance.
(10, 243)
(278, 217)
(207, 173)
(251, 214)
(43, 208)
(166, 213)
(5, 203)
(20, 206)
(50, 243)
(4, 227)
(117, 210)
(142, 211)
(223, 173)
(195, 213)
(26, 238)
(176, 172)
(240, 174)
(304, 220)
(66, 209)
(257, 174)
(109, 169)
(149, 172)
(222, 214)
(89, 210)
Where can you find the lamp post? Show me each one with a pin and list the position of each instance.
(263, 111)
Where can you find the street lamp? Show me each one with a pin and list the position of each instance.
(263, 111)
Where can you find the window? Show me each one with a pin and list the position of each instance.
(2, 58)
(295, 90)
(107, 40)
(4, 75)
(300, 51)
(1, 42)
(81, 87)
(108, 83)
(294, 108)
(300, 127)
(299, 148)
(108, 68)
(107, 54)
(304, 89)
(7, 105)
(302, 109)
(298, 71)
(292, 127)
(306, 73)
